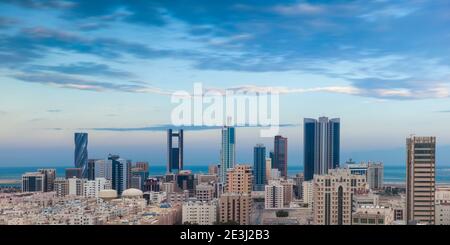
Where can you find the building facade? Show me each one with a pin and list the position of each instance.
(174, 150)
(228, 152)
(81, 152)
(420, 179)
(333, 196)
(201, 213)
(235, 207)
(259, 167)
(280, 155)
(239, 179)
(321, 140)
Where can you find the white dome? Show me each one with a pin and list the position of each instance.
(107, 194)
(132, 192)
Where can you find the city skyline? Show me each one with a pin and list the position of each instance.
(109, 70)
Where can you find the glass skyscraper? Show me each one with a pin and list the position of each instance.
(81, 153)
(279, 160)
(120, 173)
(259, 167)
(174, 153)
(321, 140)
(228, 153)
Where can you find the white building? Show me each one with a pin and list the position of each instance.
(275, 174)
(443, 214)
(308, 197)
(75, 186)
(202, 213)
(204, 192)
(91, 188)
(274, 195)
(157, 197)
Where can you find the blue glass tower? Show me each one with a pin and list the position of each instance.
(81, 153)
(259, 167)
(321, 140)
(228, 154)
(174, 153)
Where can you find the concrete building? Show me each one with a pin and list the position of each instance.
(333, 196)
(373, 215)
(75, 186)
(228, 152)
(268, 169)
(235, 207)
(443, 214)
(204, 192)
(61, 186)
(308, 197)
(239, 179)
(274, 195)
(442, 194)
(375, 175)
(49, 178)
(103, 169)
(288, 191)
(201, 213)
(91, 188)
(420, 180)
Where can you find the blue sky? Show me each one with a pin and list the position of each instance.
(108, 67)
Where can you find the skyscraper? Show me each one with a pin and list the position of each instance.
(174, 153)
(259, 167)
(420, 179)
(33, 182)
(119, 178)
(228, 154)
(321, 140)
(280, 155)
(239, 179)
(81, 153)
(73, 172)
(49, 178)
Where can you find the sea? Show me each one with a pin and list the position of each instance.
(10, 176)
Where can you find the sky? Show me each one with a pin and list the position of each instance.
(108, 67)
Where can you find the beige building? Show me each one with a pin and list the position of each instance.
(443, 214)
(201, 213)
(274, 195)
(204, 192)
(308, 197)
(288, 191)
(420, 180)
(268, 169)
(442, 194)
(373, 215)
(239, 179)
(333, 194)
(235, 207)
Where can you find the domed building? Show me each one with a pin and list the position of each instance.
(107, 195)
(132, 193)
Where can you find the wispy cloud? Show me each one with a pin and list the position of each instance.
(83, 68)
(62, 81)
(54, 110)
(299, 9)
(391, 12)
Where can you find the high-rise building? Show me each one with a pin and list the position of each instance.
(200, 213)
(103, 169)
(152, 184)
(228, 152)
(143, 166)
(204, 192)
(375, 175)
(74, 172)
(75, 186)
(274, 195)
(185, 181)
(373, 171)
(138, 176)
(268, 169)
(308, 193)
(239, 179)
(174, 150)
(333, 196)
(91, 169)
(280, 155)
(288, 191)
(321, 140)
(119, 178)
(33, 182)
(81, 153)
(235, 207)
(259, 167)
(298, 185)
(91, 188)
(420, 179)
(49, 178)
(61, 187)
